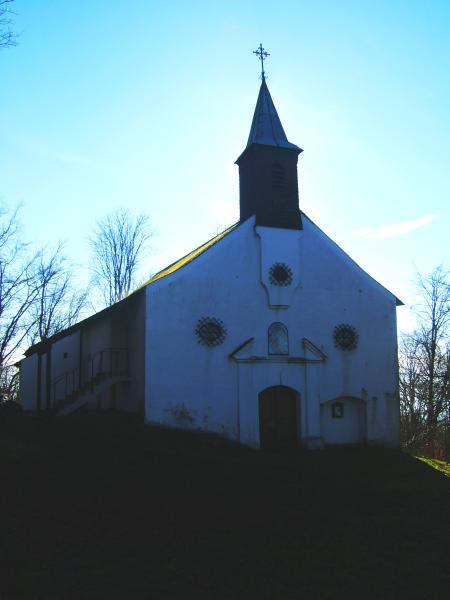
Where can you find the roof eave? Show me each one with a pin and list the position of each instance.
(43, 344)
(291, 147)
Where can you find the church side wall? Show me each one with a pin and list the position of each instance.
(28, 382)
(136, 345)
(64, 364)
(65, 354)
(102, 359)
(33, 382)
(96, 337)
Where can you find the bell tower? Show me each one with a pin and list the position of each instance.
(268, 185)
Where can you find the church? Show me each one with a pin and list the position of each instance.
(268, 334)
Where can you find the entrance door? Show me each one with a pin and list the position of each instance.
(278, 418)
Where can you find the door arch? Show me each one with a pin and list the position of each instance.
(278, 418)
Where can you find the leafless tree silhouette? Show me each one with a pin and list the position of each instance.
(18, 286)
(118, 245)
(37, 296)
(58, 304)
(425, 368)
(7, 36)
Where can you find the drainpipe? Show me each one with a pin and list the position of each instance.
(306, 426)
(80, 359)
(238, 406)
(38, 382)
(48, 380)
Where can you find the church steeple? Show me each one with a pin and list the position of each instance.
(266, 126)
(268, 168)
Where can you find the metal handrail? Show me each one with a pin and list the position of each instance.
(101, 365)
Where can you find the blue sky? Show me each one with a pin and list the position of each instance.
(147, 105)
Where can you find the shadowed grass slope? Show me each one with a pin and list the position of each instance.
(439, 465)
(101, 506)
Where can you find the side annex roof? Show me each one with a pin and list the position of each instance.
(176, 266)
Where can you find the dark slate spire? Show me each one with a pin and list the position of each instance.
(266, 125)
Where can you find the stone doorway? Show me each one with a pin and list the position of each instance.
(278, 420)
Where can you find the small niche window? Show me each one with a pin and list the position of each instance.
(65, 354)
(278, 339)
(337, 410)
(278, 181)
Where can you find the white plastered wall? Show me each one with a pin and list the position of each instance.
(28, 382)
(192, 385)
(64, 366)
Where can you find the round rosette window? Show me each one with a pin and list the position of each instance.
(210, 331)
(280, 274)
(345, 337)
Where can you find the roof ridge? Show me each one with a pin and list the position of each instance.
(184, 260)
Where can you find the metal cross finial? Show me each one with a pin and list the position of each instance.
(262, 55)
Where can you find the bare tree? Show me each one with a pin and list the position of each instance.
(434, 337)
(118, 244)
(9, 384)
(58, 304)
(18, 292)
(18, 287)
(37, 297)
(425, 366)
(7, 36)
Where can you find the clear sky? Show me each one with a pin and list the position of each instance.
(147, 105)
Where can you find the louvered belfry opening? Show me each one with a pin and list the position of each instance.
(278, 178)
(268, 186)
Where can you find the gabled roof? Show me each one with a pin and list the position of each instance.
(398, 302)
(189, 257)
(266, 126)
(108, 311)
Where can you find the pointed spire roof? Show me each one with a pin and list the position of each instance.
(266, 126)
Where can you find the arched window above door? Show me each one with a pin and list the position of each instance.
(278, 340)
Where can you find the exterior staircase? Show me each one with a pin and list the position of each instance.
(77, 388)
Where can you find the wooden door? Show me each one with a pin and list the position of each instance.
(278, 427)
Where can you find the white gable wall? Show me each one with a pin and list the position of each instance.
(191, 385)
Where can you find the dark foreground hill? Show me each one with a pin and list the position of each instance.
(100, 506)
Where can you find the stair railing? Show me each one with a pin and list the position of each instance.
(100, 366)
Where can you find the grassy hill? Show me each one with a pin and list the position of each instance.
(100, 506)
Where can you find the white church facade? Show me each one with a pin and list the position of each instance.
(269, 334)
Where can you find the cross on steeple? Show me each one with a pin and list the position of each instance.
(262, 55)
